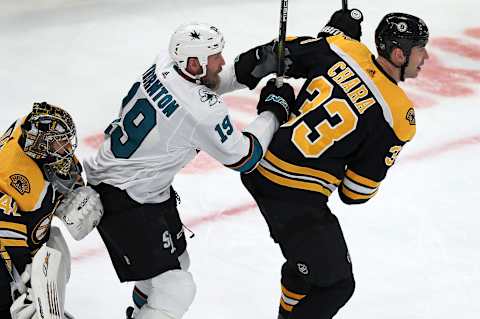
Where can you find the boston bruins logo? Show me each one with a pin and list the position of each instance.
(402, 27)
(302, 268)
(20, 183)
(411, 116)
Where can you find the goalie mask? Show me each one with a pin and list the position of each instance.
(195, 40)
(49, 137)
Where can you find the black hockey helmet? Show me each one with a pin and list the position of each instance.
(400, 30)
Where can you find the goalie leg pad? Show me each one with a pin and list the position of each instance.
(171, 295)
(57, 241)
(48, 282)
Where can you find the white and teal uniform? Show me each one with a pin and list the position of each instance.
(164, 121)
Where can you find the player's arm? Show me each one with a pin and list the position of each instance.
(301, 54)
(14, 248)
(241, 151)
(347, 22)
(369, 167)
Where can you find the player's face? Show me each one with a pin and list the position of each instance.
(214, 67)
(61, 147)
(418, 56)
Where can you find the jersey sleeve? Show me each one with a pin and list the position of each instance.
(13, 235)
(228, 81)
(369, 166)
(304, 52)
(219, 137)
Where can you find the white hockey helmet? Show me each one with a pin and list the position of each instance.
(195, 40)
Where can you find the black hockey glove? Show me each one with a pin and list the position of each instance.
(254, 64)
(276, 100)
(347, 22)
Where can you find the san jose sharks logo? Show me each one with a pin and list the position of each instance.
(208, 96)
(194, 35)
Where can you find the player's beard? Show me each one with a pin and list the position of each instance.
(211, 80)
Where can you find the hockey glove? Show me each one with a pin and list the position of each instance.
(344, 22)
(254, 64)
(23, 307)
(80, 210)
(276, 100)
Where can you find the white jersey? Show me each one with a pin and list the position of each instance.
(165, 120)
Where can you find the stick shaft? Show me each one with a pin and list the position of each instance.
(282, 33)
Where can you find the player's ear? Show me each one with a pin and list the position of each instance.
(193, 66)
(398, 56)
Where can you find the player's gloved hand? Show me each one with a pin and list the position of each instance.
(276, 100)
(23, 306)
(347, 22)
(80, 210)
(254, 64)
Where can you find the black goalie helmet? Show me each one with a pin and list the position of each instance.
(400, 30)
(49, 137)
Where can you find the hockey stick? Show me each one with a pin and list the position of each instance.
(344, 5)
(282, 32)
(17, 283)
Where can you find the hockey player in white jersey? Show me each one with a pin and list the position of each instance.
(173, 111)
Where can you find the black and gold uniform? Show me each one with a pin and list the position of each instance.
(352, 120)
(27, 203)
(28, 198)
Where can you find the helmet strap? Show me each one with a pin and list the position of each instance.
(404, 65)
(195, 78)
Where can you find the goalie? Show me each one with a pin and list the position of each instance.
(40, 177)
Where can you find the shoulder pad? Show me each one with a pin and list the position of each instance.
(20, 176)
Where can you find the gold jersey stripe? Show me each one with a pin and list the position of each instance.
(292, 295)
(14, 226)
(361, 180)
(293, 183)
(356, 196)
(6, 259)
(286, 306)
(291, 168)
(7, 242)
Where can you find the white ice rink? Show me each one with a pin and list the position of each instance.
(415, 246)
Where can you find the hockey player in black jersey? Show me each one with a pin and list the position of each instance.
(352, 120)
(39, 178)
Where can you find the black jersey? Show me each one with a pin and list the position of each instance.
(351, 122)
